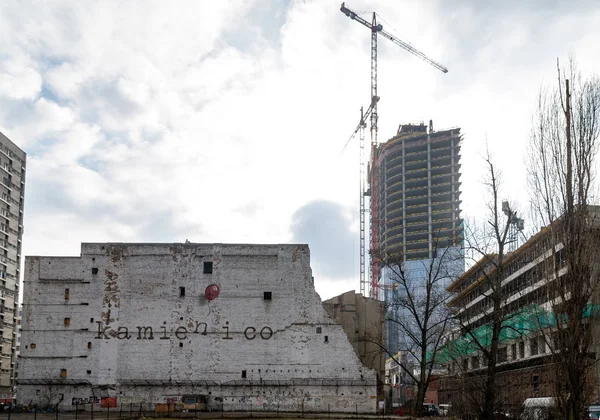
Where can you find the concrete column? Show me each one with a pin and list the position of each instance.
(403, 201)
(429, 224)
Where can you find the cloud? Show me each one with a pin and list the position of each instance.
(326, 227)
(224, 121)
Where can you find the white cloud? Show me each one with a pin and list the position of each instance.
(18, 80)
(155, 121)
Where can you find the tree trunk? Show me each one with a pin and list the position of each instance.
(489, 397)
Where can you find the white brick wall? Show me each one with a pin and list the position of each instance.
(137, 285)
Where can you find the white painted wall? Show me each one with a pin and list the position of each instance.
(137, 285)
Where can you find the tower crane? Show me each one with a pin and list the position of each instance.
(375, 28)
(361, 130)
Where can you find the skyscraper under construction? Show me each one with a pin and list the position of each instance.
(415, 206)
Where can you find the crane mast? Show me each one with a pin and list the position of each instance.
(361, 130)
(373, 191)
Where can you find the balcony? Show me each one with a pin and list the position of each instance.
(6, 183)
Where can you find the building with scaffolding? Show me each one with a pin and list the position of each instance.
(535, 291)
(236, 327)
(415, 208)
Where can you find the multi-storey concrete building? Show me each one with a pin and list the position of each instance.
(415, 205)
(12, 190)
(238, 326)
(530, 290)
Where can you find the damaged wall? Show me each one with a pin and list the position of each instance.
(362, 319)
(152, 322)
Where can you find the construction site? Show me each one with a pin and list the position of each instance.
(232, 328)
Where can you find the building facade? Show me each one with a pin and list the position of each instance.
(363, 320)
(238, 326)
(416, 207)
(12, 186)
(531, 288)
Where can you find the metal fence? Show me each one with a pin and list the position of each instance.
(149, 410)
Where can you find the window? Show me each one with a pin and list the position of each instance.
(513, 352)
(67, 294)
(267, 295)
(89, 344)
(542, 345)
(475, 362)
(63, 373)
(95, 270)
(32, 345)
(67, 322)
(89, 372)
(466, 364)
(91, 320)
(533, 346)
(243, 374)
(521, 349)
(502, 354)
(535, 383)
(182, 292)
(326, 339)
(180, 344)
(208, 267)
(318, 330)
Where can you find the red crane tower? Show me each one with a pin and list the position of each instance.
(373, 181)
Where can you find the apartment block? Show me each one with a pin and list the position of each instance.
(12, 190)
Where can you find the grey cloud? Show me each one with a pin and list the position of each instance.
(98, 98)
(265, 20)
(324, 227)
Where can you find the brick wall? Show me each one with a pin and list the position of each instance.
(141, 326)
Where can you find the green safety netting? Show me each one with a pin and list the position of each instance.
(519, 324)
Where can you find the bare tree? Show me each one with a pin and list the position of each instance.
(476, 352)
(416, 310)
(561, 163)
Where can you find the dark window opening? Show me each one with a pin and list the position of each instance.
(63, 373)
(180, 344)
(67, 294)
(67, 322)
(91, 320)
(326, 339)
(89, 372)
(182, 292)
(95, 270)
(243, 374)
(318, 330)
(533, 346)
(208, 267)
(33, 345)
(513, 351)
(535, 382)
(89, 344)
(503, 354)
(267, 295)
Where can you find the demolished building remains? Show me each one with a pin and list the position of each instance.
(237, 327)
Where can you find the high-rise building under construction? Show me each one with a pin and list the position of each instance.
(415, 207)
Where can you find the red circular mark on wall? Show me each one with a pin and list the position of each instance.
(212, 292)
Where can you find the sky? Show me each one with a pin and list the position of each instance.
(225, 122)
